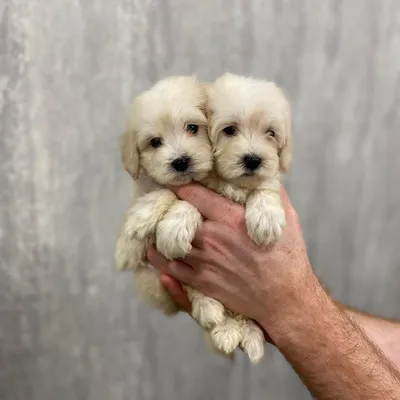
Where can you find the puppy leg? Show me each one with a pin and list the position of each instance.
(225, 332)
(152, 291)
(143, 216)
(176, 230)
(265, 217)
(130, 253)
(211, 345)
(252, 341)
(206, 311)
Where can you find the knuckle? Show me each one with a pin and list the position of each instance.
(208, 233)
(235, 215)
(208, 229)
(174, 266)
(202, 277)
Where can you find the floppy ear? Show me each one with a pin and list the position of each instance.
(209, 88)
(130, 153)
(286, 151)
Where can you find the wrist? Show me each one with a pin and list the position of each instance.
(296, 308)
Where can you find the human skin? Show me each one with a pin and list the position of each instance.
(278, 288)
(385, 333)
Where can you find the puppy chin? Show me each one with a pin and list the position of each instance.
(181, 179)
(247, 180)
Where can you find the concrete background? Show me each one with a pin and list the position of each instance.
(70, 326)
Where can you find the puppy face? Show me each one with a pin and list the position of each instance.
(250, 129)
(167, 133)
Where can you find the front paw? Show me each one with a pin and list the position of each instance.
(265, 226)
(130, 253)
(175, 232)
(144, 215)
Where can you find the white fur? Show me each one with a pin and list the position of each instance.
(130, 253)
(227, 335)
(148, 210)
(252, 341)
(254, 108)
(165, 112)
(251, 105)
(176, 230)
(151, 290)
(206, 311)
(265, 217)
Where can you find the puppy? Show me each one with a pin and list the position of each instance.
(165, 143)
(251, 136)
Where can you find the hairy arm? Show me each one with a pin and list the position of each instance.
(329, 351)
(278, 288)
(384, 333)
(353, 339)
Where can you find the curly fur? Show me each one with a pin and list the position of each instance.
(254, 108)
(259, 118)
(167, 112)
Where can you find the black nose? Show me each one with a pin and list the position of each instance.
(181, 164)
(251, 161)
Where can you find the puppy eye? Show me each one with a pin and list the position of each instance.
(192, 128)
(229, 130)
(156, 142)
(270, 133)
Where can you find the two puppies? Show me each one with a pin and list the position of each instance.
(235, 137)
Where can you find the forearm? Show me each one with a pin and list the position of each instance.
(329, 351)
(384, 333)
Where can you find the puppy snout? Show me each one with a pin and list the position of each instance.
(181, 164)
(252, 161)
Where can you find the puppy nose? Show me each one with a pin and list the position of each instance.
(252, 161)
(181, 164)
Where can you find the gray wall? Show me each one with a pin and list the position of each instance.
(70, 326)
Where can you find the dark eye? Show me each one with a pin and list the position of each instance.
(156, 142)
(193, 128)
(271, 133)
(229, 130)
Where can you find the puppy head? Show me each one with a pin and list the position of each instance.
(166, 133)
(250, 129)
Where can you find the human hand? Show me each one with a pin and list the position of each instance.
(225, 264)
(177, 292)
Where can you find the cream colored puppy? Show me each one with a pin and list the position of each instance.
(165, 143)
(251, 135)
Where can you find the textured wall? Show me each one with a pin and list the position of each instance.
(70, 326)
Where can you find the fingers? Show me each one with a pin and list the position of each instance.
(206, 234)
(210, 204)
(176, 291)
(177, 269)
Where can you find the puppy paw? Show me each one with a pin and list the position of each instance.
(176, 230)
(252, 341)
(130, 253)
(208, 312)
(210, 344)
(265, 225)
(143, 216)
(227, 335)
